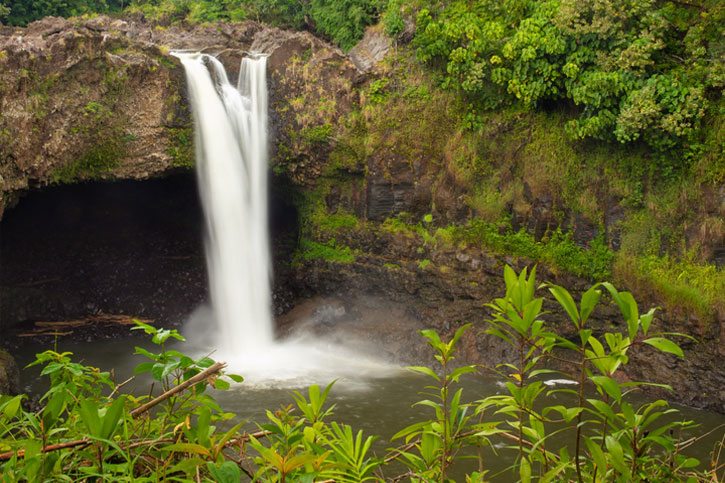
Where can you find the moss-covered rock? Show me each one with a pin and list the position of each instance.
(9, 374)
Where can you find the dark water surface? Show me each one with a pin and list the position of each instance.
(379, 406)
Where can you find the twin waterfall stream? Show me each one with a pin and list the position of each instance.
(231, 143)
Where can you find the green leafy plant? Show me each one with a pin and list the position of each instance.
(307, 447)
(343, 21)
(613, 439)
(612, 59)
(437, 442)
(86, 431)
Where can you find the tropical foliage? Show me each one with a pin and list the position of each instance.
(21, 12)
(87, 430)
(342, 22)
(636, 70)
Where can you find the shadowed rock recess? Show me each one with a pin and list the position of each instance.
(101, 101)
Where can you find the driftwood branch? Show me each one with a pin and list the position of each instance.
(50, 447)
(65, 327)
(207, 373)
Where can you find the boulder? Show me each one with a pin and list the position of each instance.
(9, 375)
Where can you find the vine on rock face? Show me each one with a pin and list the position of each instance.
(82, 434)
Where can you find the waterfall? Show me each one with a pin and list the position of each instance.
(231, 159)
(231, 144)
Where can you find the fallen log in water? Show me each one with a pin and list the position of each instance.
(59, 327)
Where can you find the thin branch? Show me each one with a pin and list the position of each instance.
(689, 442)
(398, 451)
(207, 373)
(115, 390)
(246, 437)
(51, 447)
(148, 443)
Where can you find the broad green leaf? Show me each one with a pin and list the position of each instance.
(53, 408)
(530, 285)
(112, 417)
(590, 298)
(554, 472)
(424, 370)
(596, 346)
(616, 455)
(624, 308)
(149, 329)
(187, 465)
(603, 409)
(188, 448)
(203, 428)
(51, 368)
(510, 278)
(457, 373)
(665, 345)
(524, 470)
(609, 385)
(143, 367)
(430, 445)
(459, 333)
(495, 331)
(539, 372)
(584, 335)
(433, 339)
(10, 407)
(89, 415)
(690, 463)
(566, 301)
(531, 311)
(144, 352)
(205, 362)
(169, 368)
(227, 472)
(157, 371)
(597, 455)
(221, 384)
(410, 430)
(646, 320)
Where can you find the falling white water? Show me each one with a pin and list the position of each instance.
(231, 143)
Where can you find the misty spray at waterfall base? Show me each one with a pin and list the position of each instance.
(231, 144)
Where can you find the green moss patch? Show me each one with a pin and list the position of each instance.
(329, 251)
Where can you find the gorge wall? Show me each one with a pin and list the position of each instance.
(101, 100)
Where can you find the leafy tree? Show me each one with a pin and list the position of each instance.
(343, 21)
(4, 11)
(22, 12)
(285, 13)
(636, 69)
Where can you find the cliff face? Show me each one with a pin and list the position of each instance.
(102, 99)
(84, 102)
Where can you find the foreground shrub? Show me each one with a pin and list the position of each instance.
(87, 431)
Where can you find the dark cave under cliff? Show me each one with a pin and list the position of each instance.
(123, 247)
